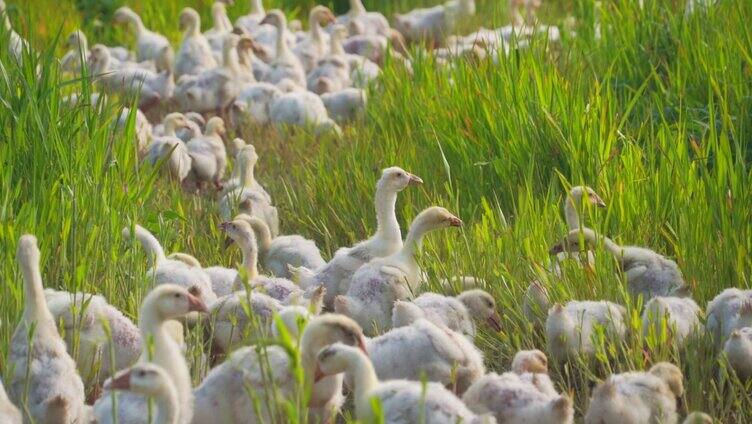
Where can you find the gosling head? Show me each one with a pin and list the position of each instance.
(189, 18)
(293, 318)
(326, 329)
(580, 193)
(144, 378)
(216, 126)
(398, 179)
(240, 231)
(196, 118)
(671, 375)
(698, 418)
(335, 359)
(575, 241)
(437, 217)
(99, 52)
(322, 15)
(275, 17)
(122, 15)
(77, 39)
(28, 252)
(175, 120)
(533, 361)
(173, 302)
(481, 305)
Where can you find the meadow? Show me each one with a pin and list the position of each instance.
(655, 115)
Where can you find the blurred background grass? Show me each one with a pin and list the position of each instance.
(655, 115)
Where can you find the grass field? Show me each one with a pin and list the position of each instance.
(656, 116)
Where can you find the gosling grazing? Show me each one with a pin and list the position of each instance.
(570, 329)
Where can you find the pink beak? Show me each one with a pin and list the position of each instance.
(196, 304)
(121, 382)
(455, 222)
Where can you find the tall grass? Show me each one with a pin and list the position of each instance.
(655, 115)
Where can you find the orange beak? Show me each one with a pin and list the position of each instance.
(196, 304)
(318, 375)
(494, 321)
(414, 179)
(455, 222)
(121, 382)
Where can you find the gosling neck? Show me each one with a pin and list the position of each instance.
(335, 44)
(170, 128)
(387, 227)
(316, 31)
(365, 381)
(35, 304)
(570, 212)
(230, 59)
(250, 257)
(136, 21)
(356, 8)
(167, 405)
(263, 235)
(193, 28)
(247, 175)
(257, 7)
(282, 50)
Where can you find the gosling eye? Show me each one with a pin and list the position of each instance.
(176, 295)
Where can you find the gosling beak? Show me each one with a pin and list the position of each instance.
(494, 321)
(362, 345)
(414, 179)
(318, 375)
(455, 222)
(196, 304)
(329, 19)
(597, 201)
(556, 249)
(224, 226)
(119, 382)
(227, 243)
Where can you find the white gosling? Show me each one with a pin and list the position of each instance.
(728, 311)
(678, 316)
(457, 313)
(285, 64)
(195, 54)
(149, 44)
(570, 329)
(376, 285)
(170, 148)
(432, 25)
(9, 413)
(578, 199)
(424, 349)
(223, 395)
(386, 241)
(535, 304)
(345, 105)
(648, 273)
(278, 253)
(152, 381)
(637, 397)
(44, 376)
(738, 351)
(401, 401)
(316, 44)
(208, 154)
(162, 305)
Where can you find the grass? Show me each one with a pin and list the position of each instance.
(656, 116)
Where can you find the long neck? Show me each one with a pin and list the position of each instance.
(246, 174)
(35, 304)
(194, 28)
(316, 31)
(264, 237)
(168, 355)
(257, 7)
(335, 45)
(218, 18)
(365, 379)
(356, 7)
(571, 215)
(170, 128)
(610, 245)
(250, 258)
(167, 405)
(414, 240)
(386, 217)
(136, 21)
(230, 59)
(281, 44)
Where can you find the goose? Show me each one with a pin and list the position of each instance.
(368, 22)
(142, 129)
(81, 318)
(426, 350)
(315, 46)
(302, 109)
(456, 313)
(247, 195)
(434, 24)
(243, 175)
(535, 304)
(285, 64)
(223, 279)
(222, 26)
(250, 22)
(163, 304)
(648, 273)
(223, 395)
(250, 64)
(372, 46)
(169, 146)
(361, 70)
(386, 241)
(681, 314)
(376, 285)
(278, 253)
(525, 395)
(332, 72)
(195, 54)
(231, 323)
(254, 102)
(151, 87)
(208, 154)
(637, 397)
(152, 381)
(345, 105)
(213, 89)
(186, 130)
(17, 45)
(738, 351)
(9, 413)
(79, 52)
(730, 310)
(149, 44)
(570, 329)
(578, 197)
(172, 271)
(44, 376)
(400, 401)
